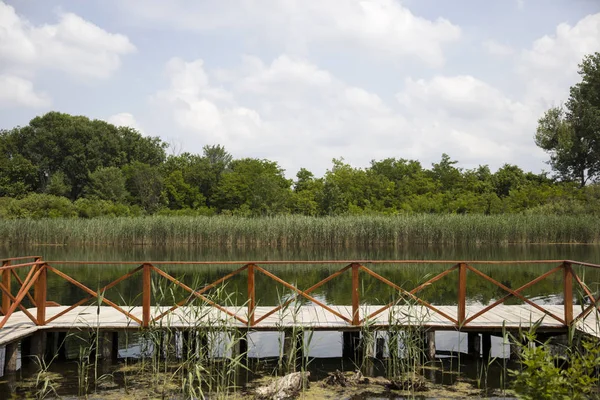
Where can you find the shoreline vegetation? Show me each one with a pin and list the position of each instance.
(64, 166)
(296, 230)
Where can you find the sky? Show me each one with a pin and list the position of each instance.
(302, 82)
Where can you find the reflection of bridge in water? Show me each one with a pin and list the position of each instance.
(34, 319)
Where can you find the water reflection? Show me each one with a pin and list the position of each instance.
(336, 291)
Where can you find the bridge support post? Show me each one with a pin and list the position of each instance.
(241, 346)
(351, 346)
(186, 344)
(10, 358)
(473, 344)
(34, 348)
(430, 345)
(240, 349)
(293, 348)
(52, 345)
(61, 344)
(168, 345)
(486, 346)
(109, 346)
(379, 348)
(200, 344)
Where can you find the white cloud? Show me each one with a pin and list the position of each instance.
(125, 119)
(15, 91)
(296, 113)
(383, 27)
(549, 68)
(470, 120)
(72, 45)
(284, 111)
(497, 49)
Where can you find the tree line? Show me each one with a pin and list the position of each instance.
(70, 166)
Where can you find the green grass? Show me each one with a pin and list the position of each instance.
(301, 231)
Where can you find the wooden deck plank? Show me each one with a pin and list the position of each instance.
(309, 316)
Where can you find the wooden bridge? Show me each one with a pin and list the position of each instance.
(24, 282)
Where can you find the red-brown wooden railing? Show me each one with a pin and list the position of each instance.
(36, 279)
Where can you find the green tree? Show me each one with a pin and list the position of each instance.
(219, 161)
(57, 185)
(572, 135)
(145, 185)
(18, 176)
(77, 146)
(257, 186)
(107, 184)
(181, 194)
(307, 189)
(446, 174)
(507, 178)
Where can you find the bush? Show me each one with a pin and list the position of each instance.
(541, 378)
(93, 208)
(37, 205)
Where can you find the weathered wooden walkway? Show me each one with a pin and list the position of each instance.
(44, 315)
(503, 317)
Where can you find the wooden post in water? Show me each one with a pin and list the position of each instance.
(240, 349)
(241, 346)
(251, 295)
(355, 296)
(462, 293)
(351, 346)
(293, 347)
(109, 344)
(6, 283)
(379, 347)
(186, 344)
(473, 344)
(430, 345)
(10, 358)
(40, 293)
(37, 348)
(486, 346)
(146, 294)
(62, 346)
(568, 292)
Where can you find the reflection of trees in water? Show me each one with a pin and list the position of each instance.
(336, 291)
(590, 253)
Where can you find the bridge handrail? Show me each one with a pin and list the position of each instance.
(37, 279)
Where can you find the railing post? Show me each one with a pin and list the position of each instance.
(146, 294)
(568, 292)
(355, 297)
(39, 291)
(6, 282)
(251, 295)
(462, 293)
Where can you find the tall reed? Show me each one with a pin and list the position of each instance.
(291, 230)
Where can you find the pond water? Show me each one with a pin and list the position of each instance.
(325, 347)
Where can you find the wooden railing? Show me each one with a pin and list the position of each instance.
(36, 279)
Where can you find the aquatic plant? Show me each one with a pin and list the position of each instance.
(294, 230)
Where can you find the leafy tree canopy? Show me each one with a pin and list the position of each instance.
(571, 134)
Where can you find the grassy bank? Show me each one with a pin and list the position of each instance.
(302, 231)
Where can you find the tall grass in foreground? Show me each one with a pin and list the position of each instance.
(301, 231)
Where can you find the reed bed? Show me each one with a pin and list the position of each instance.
(292, 230)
